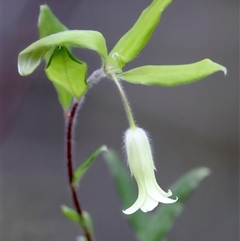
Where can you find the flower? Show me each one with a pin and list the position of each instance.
(142, 167)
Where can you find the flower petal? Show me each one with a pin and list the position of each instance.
(151, 184)
(154, 189)
(140, 200)
(149, 204)
(155, 194)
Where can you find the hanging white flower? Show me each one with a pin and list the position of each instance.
(142, 167)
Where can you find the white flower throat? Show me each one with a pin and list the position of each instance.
(142, 167)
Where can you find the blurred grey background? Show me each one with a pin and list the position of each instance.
(192, 125)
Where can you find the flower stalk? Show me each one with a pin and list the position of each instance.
(141, 164)
(125, 103)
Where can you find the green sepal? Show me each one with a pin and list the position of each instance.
(129, 46)
(31, 57)
(79, 172)
(67, 71)
(172, 75)
(48, 23)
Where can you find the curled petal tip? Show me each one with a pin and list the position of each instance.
(128, 212)
(169, 193)
(176, 199)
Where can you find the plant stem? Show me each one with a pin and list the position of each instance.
(125, 103)
(70, 127)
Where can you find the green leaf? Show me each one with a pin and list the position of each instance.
(162, 221)
(65, 98)
(31, 57)
(28, 61)
(48, 23)
(84, 221)
(125, 189)
(88, 222)
(153, 226)
(129, 46)
(67, 71)
(71, 214)
(172, 75)
(84, 167)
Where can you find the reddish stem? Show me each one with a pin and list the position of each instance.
(70, 127)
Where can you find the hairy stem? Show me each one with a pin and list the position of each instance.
(69, 139)
(125, 103)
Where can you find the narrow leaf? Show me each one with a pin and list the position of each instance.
(129, 46)
(88, 222)
(125, 189)
(67, 71)
(172, 75)
(85, 221)
(84, 167)
(31, 57)
(71, 214)
(48, 23)
(162, 221)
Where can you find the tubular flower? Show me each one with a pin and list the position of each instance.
(142, 167)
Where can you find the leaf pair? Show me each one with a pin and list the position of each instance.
(129, 46)
(66, 72)
(81, 221)
(153, 227)
(31, 57)
(85, 219)
(69, 74)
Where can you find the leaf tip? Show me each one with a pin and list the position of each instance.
(43, 6)
(64, 207)
(21, 70)
(218, 66)
(104, 149)
(224, 70)
(204, 172)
